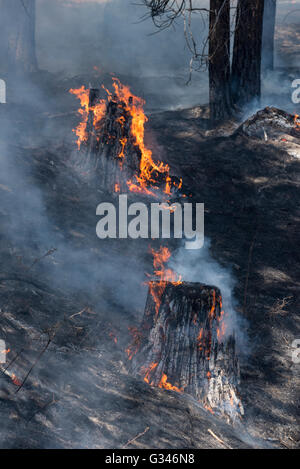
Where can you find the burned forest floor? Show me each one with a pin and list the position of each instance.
(68, 300)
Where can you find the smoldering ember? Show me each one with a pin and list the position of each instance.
(149, 226)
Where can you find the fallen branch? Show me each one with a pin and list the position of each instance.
(50, 339)
(38, 259)
(248, 270)
(44, 407)
(135, 438)
(218, 439)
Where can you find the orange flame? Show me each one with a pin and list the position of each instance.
(213, 308)
(164, 384)
(150, 369)
(221, 330)
(135, 107)
(83, 94)
(297, 122)
(160, 258)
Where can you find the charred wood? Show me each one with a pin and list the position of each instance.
(181, 346)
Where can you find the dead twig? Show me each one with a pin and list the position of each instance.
(38, 259)
(84, 310)
(279, 306)
(218, 439)
(248, 269)
(51, 336)
(43, 408)
(136, 437)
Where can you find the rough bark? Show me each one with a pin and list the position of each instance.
(268, 35)
(219, 60)
(246, 62)
(17, 26)
(181, 346)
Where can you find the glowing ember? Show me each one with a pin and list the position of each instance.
(148, 373)
(15, 380)
(134, 347)
(113, 337)
(297, 122)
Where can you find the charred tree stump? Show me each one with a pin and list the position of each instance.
(109, 150)
(181, 346)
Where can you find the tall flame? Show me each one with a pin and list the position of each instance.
(83, 94)
(135, 107)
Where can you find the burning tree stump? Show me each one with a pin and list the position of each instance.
(118, 157)
(181, 346)
(109, 149)
(110, 138)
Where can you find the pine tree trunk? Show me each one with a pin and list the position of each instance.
(219, 60)
(17, 34)
(246, 62)
(268, 35)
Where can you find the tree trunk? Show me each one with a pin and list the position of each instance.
(181, 346)
(219, 60)
(268, 35)
(246, 62)
(17, 26)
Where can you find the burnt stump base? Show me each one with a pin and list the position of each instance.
(182, 346)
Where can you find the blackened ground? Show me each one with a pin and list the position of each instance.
(86, 294)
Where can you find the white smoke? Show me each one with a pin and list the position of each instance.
(199, 266)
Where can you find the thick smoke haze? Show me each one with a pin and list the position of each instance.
(117, 36)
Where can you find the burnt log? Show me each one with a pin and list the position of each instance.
(270, 123)
(181, 346)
